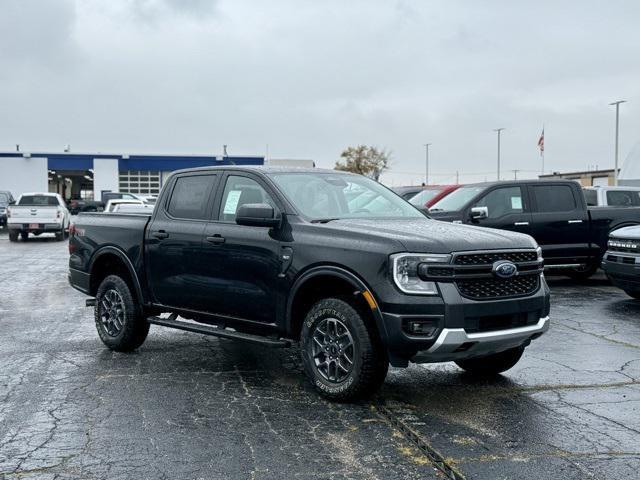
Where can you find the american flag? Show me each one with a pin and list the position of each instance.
(541, 142)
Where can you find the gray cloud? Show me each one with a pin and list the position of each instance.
(310, 78)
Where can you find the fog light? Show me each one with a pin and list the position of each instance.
(422, 327)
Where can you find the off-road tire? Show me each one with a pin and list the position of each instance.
(13, 236)
(370, 361)
(492, 364)
(633, 293)
(135, 326)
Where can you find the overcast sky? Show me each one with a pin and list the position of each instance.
(310, 78)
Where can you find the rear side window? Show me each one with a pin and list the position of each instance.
(39, 200)
(623, 198)
(554, 198)
(190, 197)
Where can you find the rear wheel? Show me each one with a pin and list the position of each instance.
(13, 236)
(492, 364)
(119, 320)
(341, 351)
(60, 235)
(24, 236)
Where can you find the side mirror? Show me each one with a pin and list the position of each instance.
(257, 215)
(478, 213)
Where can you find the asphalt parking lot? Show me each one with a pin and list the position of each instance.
(187, 406)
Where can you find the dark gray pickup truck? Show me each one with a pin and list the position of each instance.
(337, 261)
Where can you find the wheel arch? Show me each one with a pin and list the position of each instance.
(111, 260)
(304, 292)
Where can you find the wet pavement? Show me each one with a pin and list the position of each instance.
(185, 406)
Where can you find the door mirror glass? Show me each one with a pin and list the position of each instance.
(478, 213)
(257, 215)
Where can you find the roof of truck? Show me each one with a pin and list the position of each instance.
(263, 169)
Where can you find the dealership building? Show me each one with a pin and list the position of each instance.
(87, 175)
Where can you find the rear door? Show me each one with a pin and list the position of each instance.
(177, 275)
(560, 222)
(243, 262)
(507, 208)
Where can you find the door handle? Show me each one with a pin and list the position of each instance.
(519, 224)
(160, 234)
(574, 221)
(215, 239)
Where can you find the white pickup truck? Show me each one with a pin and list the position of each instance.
(38, 213)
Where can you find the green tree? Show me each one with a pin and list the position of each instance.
(368, 161)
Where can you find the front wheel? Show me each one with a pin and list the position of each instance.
(492, 364)
(119, 320)
(341, 350)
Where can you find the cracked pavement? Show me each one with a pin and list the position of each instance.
(194, 407)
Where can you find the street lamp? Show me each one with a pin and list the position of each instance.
(498, 130)
(615, 170)
(426, 177)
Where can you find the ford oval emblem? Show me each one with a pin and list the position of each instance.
(505, 269)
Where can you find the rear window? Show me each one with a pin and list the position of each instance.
(190, 196)
(554, 198)
(623, 198)
(591, 196)
(38, 200)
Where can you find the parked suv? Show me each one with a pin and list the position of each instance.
(271, 255)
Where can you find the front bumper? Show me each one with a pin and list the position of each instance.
(623, 269)
(484, 325)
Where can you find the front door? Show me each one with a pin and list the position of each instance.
(507, 209)
(176, 274)
(243, 261)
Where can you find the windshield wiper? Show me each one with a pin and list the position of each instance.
(324, 220)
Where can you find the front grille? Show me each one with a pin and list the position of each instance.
(488, 258)
(489, 288)
(500, 322)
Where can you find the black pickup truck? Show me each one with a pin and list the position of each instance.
(573, 236)
(337, 261)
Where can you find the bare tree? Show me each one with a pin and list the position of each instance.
(368, 161)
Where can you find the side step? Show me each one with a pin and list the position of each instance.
(219, 332)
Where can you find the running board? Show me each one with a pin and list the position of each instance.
(219, 332)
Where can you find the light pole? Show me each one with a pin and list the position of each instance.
(615, 169)
(498, 130)
(426, 177)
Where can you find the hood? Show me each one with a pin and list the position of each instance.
(627, 233)
(431, 236)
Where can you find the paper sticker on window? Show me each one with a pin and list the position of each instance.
(516, 203)
(231, 205)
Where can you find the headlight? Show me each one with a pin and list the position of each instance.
(405, 272)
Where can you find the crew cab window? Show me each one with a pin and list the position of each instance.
(591, 196)
(502, 201)
(39, 200)
(190, 196)
(240, 191)
(623, 198)
(554, 198)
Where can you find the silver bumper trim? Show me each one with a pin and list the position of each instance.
(483, 343)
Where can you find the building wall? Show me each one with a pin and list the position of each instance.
(586, 179)
(19, 175)
(105, 176)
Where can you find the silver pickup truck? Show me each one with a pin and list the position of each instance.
(38, 213)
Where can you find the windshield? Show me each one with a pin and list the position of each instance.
(328, 196)
(421, 199)
(457, 199)
(38, 200)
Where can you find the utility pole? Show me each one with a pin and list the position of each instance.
(426, 177)
(615, 168)
(498, 130)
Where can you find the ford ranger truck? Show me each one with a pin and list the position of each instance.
(333, 260)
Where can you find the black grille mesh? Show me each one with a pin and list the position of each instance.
(489, 258)
(486, 288)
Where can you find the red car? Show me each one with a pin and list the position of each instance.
(431, 194)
